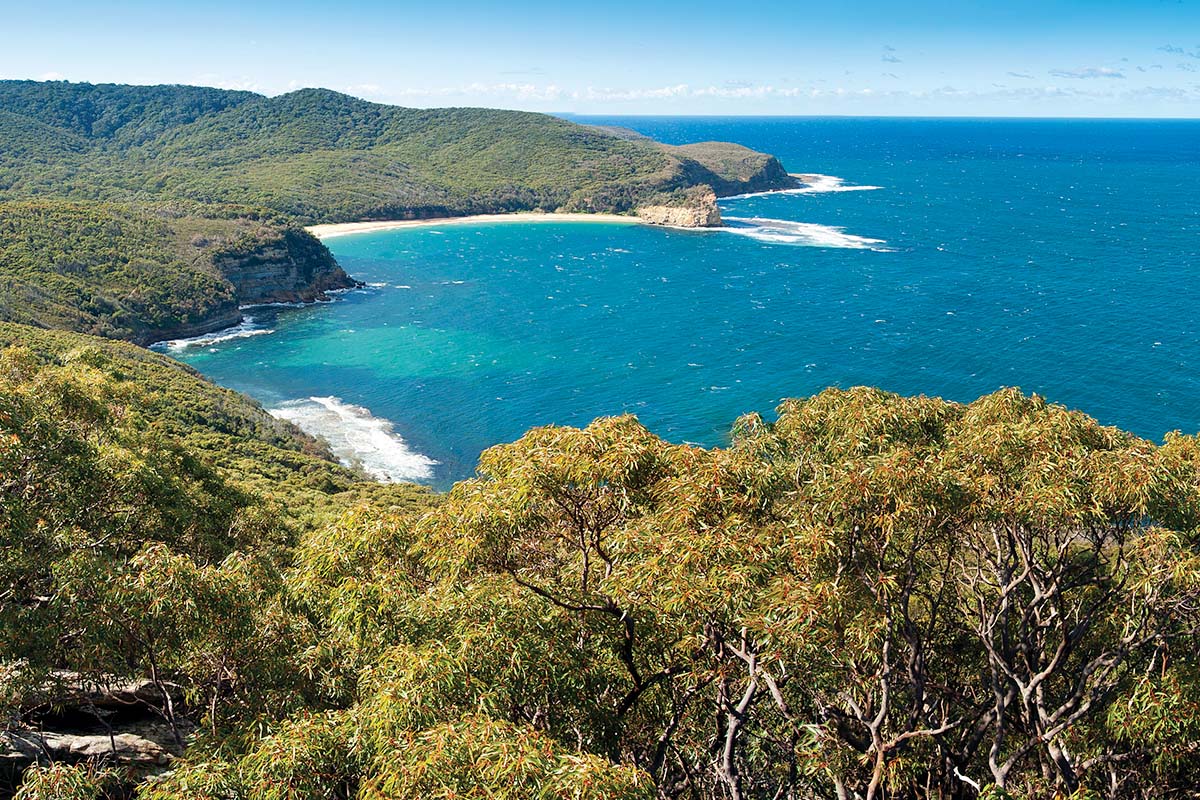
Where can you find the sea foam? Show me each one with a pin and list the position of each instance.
(813, 184)
(807, 234)
(243, 330)
(358, 438)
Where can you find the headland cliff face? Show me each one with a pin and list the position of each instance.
(278, 265)
(285, 266)
(693, 208)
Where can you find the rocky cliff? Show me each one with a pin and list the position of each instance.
(281, 266)
(691, 208)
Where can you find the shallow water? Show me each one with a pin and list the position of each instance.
(946, 257)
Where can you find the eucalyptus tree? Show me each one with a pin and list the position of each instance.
(872, 596)
(869, 597)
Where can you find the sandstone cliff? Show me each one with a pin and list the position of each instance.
(281, 266)
(274, 265)
(690, 208)
(144, 273)
(257, 263)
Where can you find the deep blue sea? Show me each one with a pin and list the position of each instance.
(1057, 256)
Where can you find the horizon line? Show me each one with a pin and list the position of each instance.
(634, 115)
(849, 116)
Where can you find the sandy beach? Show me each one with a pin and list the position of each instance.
(344, 228)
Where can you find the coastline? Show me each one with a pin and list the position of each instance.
(330, 230)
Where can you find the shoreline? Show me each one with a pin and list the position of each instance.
(330, 230)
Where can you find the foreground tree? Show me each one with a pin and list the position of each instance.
(870, 597)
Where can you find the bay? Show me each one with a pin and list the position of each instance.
(1059, 256)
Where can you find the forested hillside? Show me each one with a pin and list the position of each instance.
(872, 597)
(150, 272)
(136, 392)
(327, 157)
(152, 212)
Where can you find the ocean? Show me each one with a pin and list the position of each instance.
(939, 257)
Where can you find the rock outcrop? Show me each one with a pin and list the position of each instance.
(272, 265)
(149, 272)
(289, 266)
(692, 208)
(142, 747)
(109, 721)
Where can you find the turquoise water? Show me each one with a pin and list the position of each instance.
(1058, 256)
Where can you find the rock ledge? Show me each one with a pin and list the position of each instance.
(693, 208)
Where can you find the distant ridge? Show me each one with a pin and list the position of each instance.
(321, 156)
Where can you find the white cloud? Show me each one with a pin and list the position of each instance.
(1180, 51)
(657, 93)
(52, 76)
(1067, 94)
(1088, 72)
(534, 92)
(364, 89)
(242, 83)
(520, 91)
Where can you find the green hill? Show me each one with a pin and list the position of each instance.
(149, 272)
(143, 394)
(327, 157)
(150, 212)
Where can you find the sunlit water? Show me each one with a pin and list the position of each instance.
(940, 257)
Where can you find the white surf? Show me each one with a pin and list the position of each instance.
(807, 234)
(243, 330)
(358, 438)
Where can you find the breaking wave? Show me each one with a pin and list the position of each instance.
(243, 330)
(358, 438)
(813, 184)
(806, 234)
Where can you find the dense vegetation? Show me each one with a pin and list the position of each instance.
(139, 272)
(324, 156)
(871, 597)
(134, 392)
(145, 516)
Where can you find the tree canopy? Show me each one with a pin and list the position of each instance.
(869, 596)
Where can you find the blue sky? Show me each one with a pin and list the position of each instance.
(920, 57)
